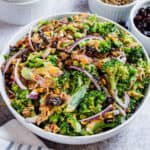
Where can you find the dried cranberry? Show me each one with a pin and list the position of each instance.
(55, 101)
(142, 21)
(148, 9)
(14, 48)
(44, 38)
(142, 12)
(54, 44)
(25, 56)
(91, 52)
(138, 18)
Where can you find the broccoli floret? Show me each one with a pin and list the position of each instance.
(35, 60)
(53, 59)
(14, 87)
(134, 54)
(54, 118)
(105, 28)
(91, 68)
(92, 103)
(17, 105)
(74, 123)
(105, 46)
(115, 71)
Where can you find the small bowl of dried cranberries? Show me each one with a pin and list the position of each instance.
(140, 22)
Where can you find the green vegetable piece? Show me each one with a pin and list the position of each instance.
(14, 87)
(53, 59)
(74, 123)
(115, 71)
(78, 35)
(76, 99)
(70, 19)
(6, 56)
(134, 54)
(17, 105)
(105, 46)
(26, 73)
(54, 118)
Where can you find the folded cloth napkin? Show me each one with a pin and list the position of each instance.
(13, 136)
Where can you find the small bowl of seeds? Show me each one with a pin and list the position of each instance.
(117, 10)
(140, 22)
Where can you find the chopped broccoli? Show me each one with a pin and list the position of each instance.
(92, 103)
(134, 54)
(53, 59)
(105, 46)
(35, 60)
(105, 28)
(74, 123)
(115, 71)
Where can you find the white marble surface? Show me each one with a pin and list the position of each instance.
(137, 135)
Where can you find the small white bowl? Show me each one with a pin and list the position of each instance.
(113, 12)
(144, 39)
(52, 136)
(21, 12)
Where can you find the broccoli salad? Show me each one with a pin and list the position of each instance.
(76, 75)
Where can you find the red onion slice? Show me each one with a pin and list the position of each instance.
(16, 76)
(127, 101)
(117, 99)
(19, 53)
(121, 110)
(88, 37)
(30, 39)
(97, 116)
(88, 74)
(33, 95)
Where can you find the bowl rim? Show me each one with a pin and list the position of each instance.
(117, 6)
(133, 14)
(19, 3)
(40, 131)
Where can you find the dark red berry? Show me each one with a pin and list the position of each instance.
(55, 101)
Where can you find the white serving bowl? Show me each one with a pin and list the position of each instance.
(21, 12)
(52, 136)
(113, 12)
(144, 39)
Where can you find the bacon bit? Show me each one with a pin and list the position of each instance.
(63, 55)
(27, 111)
(116, 53)
(53, 50)
(57, 91)
(43, 82)
(113, 36)
(54, 71)
(65, 97)
(52, 128)
(134, 94)
(82, 58)
(44, 114)
(103, 81)
(36, 38)
(49, 70)
(100, 62)
(141, 74)
(94, 43)
(39, 90)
